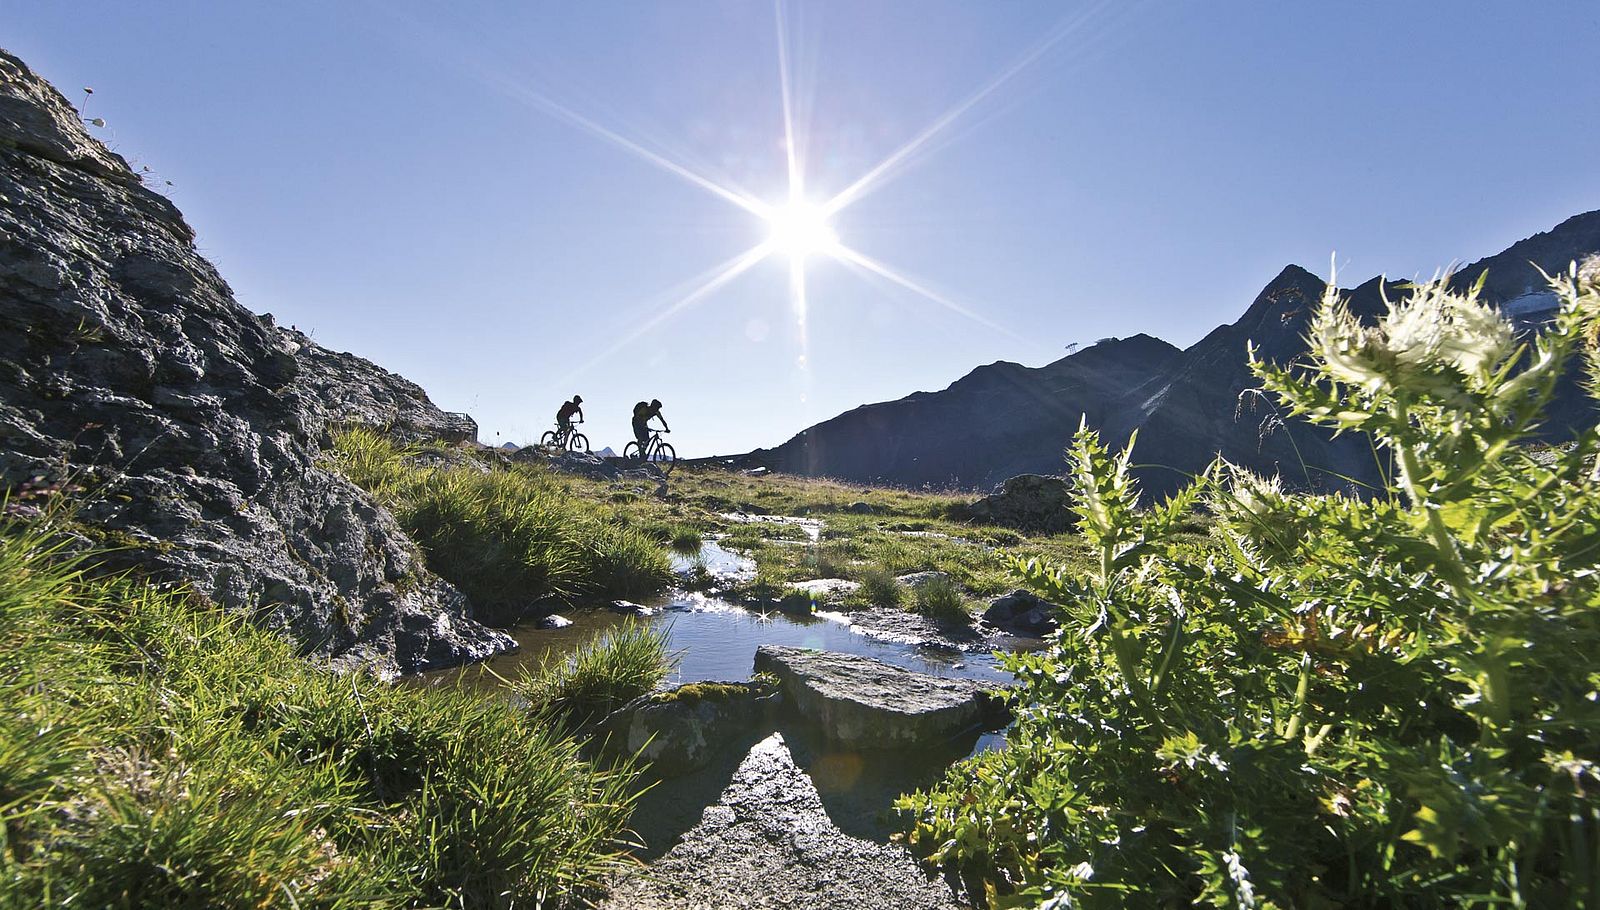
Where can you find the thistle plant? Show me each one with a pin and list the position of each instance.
(1357, 702)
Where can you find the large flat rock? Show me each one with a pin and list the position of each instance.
(866, 703)
(768, 843)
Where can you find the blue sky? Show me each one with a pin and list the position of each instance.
(399, 180)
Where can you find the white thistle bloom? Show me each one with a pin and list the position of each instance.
(1434, 327)
(1437, 327)
(1346, 348)
(1252, 492)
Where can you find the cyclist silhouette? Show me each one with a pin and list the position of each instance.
(569, 408)
(642, 412)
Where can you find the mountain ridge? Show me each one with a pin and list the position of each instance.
(1188, 404)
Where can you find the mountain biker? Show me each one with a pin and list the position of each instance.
(564, 416)
(642, 412)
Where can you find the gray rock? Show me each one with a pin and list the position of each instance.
(904, 627)
(916, 580)
(768, 843)
(592, 466)
(680, 730)
(1027, 502)
(629, 608)
(1022, 613)
(554, 621)
(861, 507)
(197, 427)
(858, 701)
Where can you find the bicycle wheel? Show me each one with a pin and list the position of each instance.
(549, 439)
(666, 456)
(631, 451)
(578, 443)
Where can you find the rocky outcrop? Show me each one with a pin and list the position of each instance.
(680, 730)
(768, 843)
(865, 703)
(1027, 502)
(1005, 419)
(195, 427)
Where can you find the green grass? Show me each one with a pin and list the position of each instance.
(939, 598)
(605, 673)
(880, 589)
(158, 753)
(505, 534)
(905, 531)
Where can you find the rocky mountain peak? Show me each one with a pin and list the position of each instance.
(1005, 419)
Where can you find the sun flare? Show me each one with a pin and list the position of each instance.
(800, 229)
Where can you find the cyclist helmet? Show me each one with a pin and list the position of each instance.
(655, 402)
(577, 399)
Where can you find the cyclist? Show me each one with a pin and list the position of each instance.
(642, 412)
(564, 416)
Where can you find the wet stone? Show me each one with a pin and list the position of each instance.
(859, 701)
(768, 843)
(680, 730)
(1022, 613)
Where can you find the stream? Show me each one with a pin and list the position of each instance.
(714, 639)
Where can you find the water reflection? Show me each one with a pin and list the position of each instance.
(714, 640)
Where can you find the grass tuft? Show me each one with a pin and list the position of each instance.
(155, 752)
(506, 536)
(939, 598)
(880, 588)
(607, 672)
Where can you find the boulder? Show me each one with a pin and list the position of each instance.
(861, 507)
(860, 702)
(768, 843)
(1022, 613)
(553, 621)
(680, 730)
(1028, 502)
(127, 367)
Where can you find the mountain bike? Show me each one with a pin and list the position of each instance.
(564, 438)
(661, 453)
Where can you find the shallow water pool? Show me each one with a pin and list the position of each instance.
(714, 640)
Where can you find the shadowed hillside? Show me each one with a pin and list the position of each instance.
(1005, 419)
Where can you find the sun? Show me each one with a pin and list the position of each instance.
(800, 229)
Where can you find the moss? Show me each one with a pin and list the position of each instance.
(117, 539)
(692, 693)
